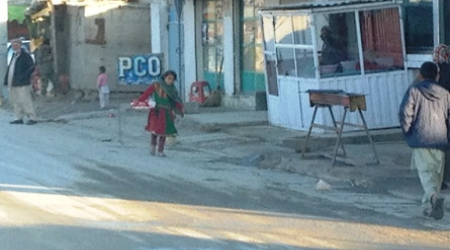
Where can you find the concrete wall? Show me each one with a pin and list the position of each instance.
(126, 32)
(76, 43)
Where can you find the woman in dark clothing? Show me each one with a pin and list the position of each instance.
(441, 56)
(332, 52)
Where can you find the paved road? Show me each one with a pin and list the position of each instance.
(84, 185)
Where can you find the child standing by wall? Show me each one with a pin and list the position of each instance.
(102, 86)
(161, 117)
(424, 118)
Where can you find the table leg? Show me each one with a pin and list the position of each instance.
(309, 130)
(370, 137)
(336, 147)
(336, 128)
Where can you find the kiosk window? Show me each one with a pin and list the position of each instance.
(337, 43)
(418, 26)
(381, 40)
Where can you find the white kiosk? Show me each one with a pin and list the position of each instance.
(356, 47)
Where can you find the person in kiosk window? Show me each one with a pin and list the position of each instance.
(332, 52)
(424, 119)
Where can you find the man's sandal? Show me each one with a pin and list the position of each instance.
(437, 207)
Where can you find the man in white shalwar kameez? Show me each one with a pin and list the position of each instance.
(18, 80)
(424, 118)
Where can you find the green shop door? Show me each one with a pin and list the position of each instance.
(252, 60)
(212, 42)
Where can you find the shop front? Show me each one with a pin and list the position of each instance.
(354, 47)
(223, 46)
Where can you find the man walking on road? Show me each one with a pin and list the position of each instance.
(17, 79)
(424, 118)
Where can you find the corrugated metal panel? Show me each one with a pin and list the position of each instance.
(384, 92)
(290, 103)
(274, 112)
(321, 4)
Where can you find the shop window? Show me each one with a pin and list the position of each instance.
(212, 59)
(283, 30)
(286, 62)
(418, 26)
(446, 21)
(304, 63)
(293, 43)
(212, 10)
(295, 62)
(252, 57)
(212, 41)
(381, 40)
(212, 32)
(337, 43)
(301, 32)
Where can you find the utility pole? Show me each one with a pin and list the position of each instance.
(3, 39)
(179, 8)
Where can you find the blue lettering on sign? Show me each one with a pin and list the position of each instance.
(139, 69)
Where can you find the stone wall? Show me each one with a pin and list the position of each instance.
(98, 34)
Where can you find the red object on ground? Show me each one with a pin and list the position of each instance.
(199, 92)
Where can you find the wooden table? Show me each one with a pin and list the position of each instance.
(350, 102)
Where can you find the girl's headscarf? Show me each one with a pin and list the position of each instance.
(441, 54)
(171, 91)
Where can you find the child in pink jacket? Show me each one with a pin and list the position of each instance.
(102, 86)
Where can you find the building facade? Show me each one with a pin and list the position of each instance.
(222, 42)
(218, 41)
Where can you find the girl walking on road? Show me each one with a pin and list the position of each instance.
(164, 104)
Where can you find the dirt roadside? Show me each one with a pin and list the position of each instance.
(263, 148)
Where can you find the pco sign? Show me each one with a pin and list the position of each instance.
(139, 69)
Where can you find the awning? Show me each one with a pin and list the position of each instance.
(325, 4)
(15, 12)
